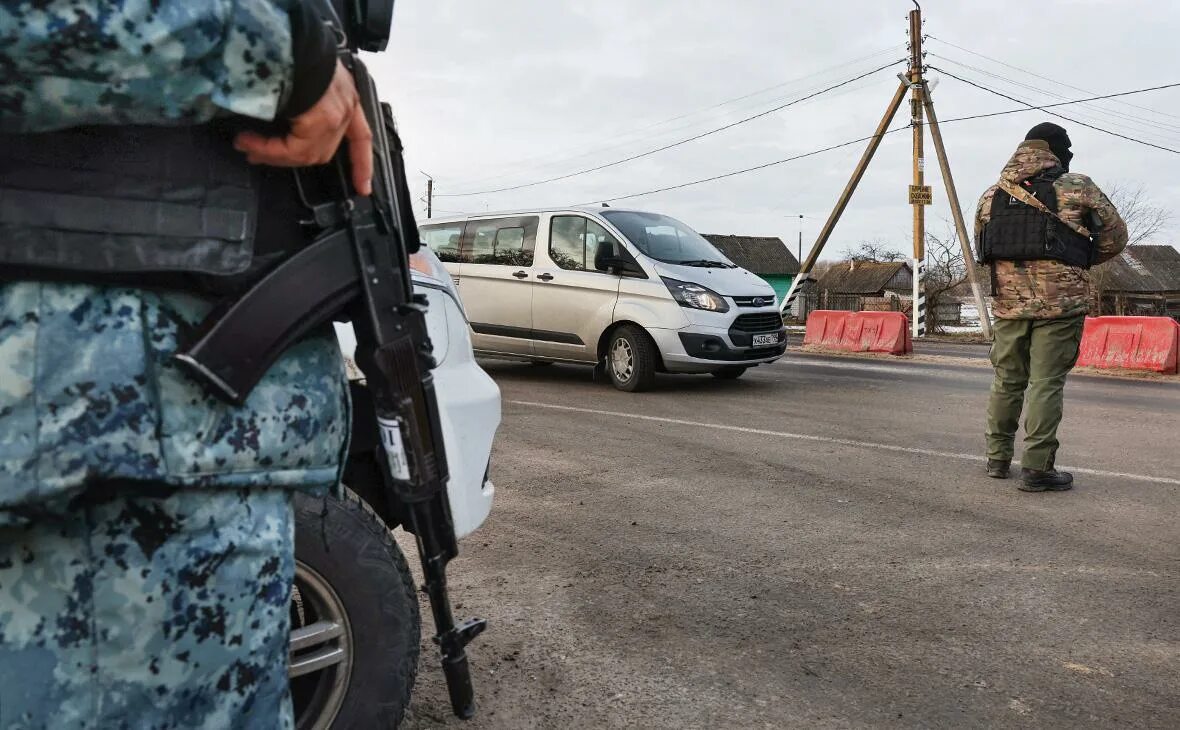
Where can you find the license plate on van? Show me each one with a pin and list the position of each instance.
(764, 340)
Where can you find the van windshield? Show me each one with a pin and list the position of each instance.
(666, 239)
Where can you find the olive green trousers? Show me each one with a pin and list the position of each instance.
(1032, 355)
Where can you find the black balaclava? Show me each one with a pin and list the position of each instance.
(1057, 138)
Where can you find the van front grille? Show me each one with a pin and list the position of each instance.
(756, 301)
(760, 322)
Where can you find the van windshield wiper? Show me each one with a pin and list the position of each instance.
(705, 263)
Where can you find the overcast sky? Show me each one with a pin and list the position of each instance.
(498, 93)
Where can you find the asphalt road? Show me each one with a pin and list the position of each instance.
(951, 349)
(815, 545)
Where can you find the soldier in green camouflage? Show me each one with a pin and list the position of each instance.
(1040, 306)
(146, 528)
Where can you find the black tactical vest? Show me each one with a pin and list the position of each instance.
(1019, 232)
(172, 207)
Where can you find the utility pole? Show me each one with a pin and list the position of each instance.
(800, 256)
(429, 194)
(920, 195)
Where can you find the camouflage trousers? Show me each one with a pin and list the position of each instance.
(1033, 356)
(137, 611)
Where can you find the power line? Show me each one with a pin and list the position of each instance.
(1060, 116)
(693, 138)
(745, 170)
(1044, 78)
(598, 148)
(1158, 127)
(1060, 103)
(1025, 109)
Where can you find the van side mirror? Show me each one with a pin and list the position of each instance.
(609, 259)
(620, 266)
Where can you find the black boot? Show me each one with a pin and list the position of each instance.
(998, 468)
(1049, 480)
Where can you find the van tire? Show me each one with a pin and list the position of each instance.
(731, 372)
(630, 360)
(345, 545)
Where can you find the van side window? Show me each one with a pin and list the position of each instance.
(576, 242)
(443, 239)
(500, 241)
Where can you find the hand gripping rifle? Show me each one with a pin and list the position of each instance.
(358, 266)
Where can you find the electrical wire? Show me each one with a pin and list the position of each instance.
(1044, 78)
(663, 148)
(1129, 120)
(747, 169)
(1060, 103)
(734, 173)
(1056, 114)
(551, 159)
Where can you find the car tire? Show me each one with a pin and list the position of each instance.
(732, 372)
(352, 580)
(631, 359)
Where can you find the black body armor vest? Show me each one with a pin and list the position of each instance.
(170, 207)
(1019, 232)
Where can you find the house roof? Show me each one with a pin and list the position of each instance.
(763, 255)
(1142, 269)
(863, 277)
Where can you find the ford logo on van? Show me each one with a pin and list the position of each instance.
(758, 302)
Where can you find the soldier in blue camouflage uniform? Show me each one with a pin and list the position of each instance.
(146, 529)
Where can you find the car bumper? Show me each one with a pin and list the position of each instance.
(702, 349)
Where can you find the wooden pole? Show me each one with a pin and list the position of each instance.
(957, 212)
(919, 164)
(858, 173)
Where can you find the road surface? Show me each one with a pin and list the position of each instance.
(816, 545)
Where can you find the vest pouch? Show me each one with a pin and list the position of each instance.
(136, 203)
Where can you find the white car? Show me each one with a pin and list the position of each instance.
(355, 625)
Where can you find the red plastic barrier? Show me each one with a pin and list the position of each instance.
(1134, 343)
(859, 331)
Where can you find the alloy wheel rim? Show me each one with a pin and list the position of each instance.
(321, 648)
(622, 360)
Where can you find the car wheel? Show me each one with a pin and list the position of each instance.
(631, 359)
(354, 618)
(732, 372)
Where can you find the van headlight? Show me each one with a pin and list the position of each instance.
(696, 296)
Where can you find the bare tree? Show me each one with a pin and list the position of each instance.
(1145, 219)
(946, 272)
(877, 250)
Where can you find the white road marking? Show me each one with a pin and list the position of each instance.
(828, 440)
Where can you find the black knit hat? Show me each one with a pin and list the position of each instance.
(1057, 138)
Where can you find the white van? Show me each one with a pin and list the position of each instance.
(635, 292)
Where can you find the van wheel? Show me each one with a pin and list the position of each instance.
(355, 628)
(732, 372)
(631, 359)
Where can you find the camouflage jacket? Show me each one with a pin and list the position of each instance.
(71, 62)
(1050, 289)
(87, 391)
